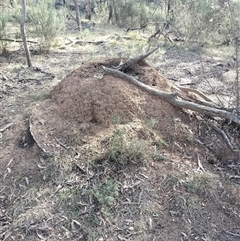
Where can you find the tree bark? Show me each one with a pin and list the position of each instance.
(77, 15)
(29, 63)
(110, 10)
(88, 9)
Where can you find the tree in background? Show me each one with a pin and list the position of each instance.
(77, 15)
(47, 22)
(88, 9)
(24, 34)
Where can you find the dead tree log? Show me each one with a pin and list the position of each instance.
(172, 97)
(138, 58)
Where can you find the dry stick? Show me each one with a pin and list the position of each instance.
(208, 103)
(172, 98)
(6, 127)
(185, 89)
(200, 167)
(233, 234)
(222, 133)
(140, 57)
(17, 40)
(235, 176)
(204, 76)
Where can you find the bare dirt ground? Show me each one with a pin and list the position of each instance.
(108, 161)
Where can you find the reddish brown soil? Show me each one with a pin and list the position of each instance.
(83, 105)
(170, 199)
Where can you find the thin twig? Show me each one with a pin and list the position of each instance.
(236, 177)
(198, 92)
(17, 40)
(223, 134)
(6, 127)
(233, 234)
(200, 167)
(61, 144)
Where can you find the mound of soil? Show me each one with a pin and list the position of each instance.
(88, 101)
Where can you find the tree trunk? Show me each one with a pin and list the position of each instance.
(110, 10)
(115, 12)
(170, 14)
(88, 9)
(24, 34)
(77, 15)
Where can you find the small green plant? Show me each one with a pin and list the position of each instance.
(106, 193)
(202, 184)
(150, 123)
(116, 119)
(158, 157)
(173, 179)
(160, 143)
(124, 149)
(68, 199)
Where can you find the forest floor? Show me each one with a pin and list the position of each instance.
(88, 156)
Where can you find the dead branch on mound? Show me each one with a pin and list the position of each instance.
(187, 90)
(172, 97)
(184, 94)
(138, 58)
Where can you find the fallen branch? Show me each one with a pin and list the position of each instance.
(235, 176)
(225, 137)
(200, 167)
(17, 40)
(171, 97)
(208, 102)
(140, 57)
(138, 28)
(187, 90)
(233, 234)
(6, 127)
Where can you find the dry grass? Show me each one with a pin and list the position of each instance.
(71, 198)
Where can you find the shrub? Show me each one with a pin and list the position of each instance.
(124, 149)
(106, 193)
(47, 22)
(204, 184)
(128, 13)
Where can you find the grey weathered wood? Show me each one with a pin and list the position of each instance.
(138, 58)
(172, 98)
